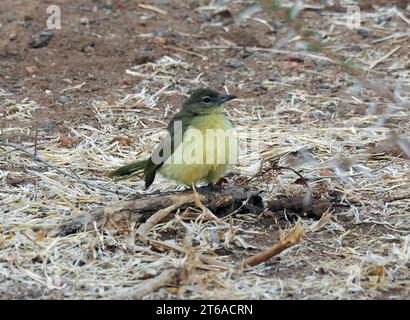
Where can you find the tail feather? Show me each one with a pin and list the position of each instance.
(128, 170)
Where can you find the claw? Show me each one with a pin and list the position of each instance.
(206, 213)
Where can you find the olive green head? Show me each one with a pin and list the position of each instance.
(205, 101)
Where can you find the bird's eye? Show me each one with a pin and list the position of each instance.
(206, 99)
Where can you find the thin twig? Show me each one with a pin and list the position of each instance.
(3, 135)
(151, 285)
(35, 141)
(396, 198)
(188, 52)
(375, 63)
(296, 54)
(152, 8)
(156, 218)
(292, 238)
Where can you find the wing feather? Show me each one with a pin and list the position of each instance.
(170, 142)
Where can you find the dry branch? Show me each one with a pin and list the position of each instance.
(212, 261)
(375, 63)
(158, 206)
(292, 238)
(157, 217)
(396, 198)
(151, 285)
(221, 201)
(152, 8)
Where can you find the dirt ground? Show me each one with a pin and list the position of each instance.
(98, 95)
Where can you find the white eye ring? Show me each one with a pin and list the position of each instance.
(206, 99)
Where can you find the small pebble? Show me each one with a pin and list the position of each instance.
(247, 53)
(274, 79)
(331, 107)
(40, 40)
(63, 99)
(235, 63)
(49, 127)
(85, 9)
(324, 86)
(364, 33)
(382, 20)
(127, 82)
(88, 49)
(31, 69)
(160, 41)
(158, 34)
(84, 20)
(204, 18)
(319, 115)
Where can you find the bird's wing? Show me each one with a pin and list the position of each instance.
(170, 142)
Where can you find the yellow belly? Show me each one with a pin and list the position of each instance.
(209, 148)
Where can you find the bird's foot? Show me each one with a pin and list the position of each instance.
(206, 213)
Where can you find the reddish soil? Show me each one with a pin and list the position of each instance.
(101, 39)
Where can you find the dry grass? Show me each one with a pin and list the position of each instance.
(361, 250)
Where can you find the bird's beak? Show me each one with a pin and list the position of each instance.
(225, 98)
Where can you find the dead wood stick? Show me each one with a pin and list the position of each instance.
(326, 216)
(293, 237)
(375, 63)
(296, 54)
(214, 262)
(131, 210)
(222, 201)
(163, 246)
(187, 52)
(159, 216)
(204, 258)
(151, 285)
(396, 198)
(152, 8)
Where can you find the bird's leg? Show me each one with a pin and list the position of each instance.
(206, 213)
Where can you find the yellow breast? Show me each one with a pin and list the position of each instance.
(209, 147)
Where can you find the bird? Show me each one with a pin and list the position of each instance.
(201, 144)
